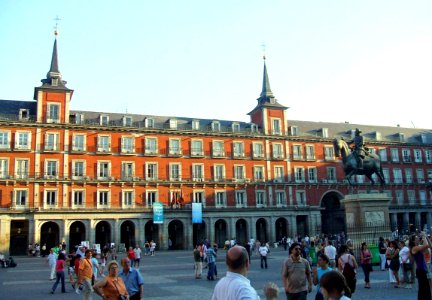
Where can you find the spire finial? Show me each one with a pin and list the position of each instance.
(264, 48)
(56, 32)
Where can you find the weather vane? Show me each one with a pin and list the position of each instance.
(56, 19)
(263, 48)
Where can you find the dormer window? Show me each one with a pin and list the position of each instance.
(352, 132)
(173, 124)
(79, 119)
(276, 126)
(235, 127)
(149, 123)
(54, 82)
(254, 127)
(294, 130)
(24, 114)
(53, 113)
(377, 135)
(104, 120)
(215, 126)
(127, 121)
(401, 137)
(195, 125)
(325, 133)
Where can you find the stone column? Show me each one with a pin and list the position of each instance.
(393, 219)
(252, 227)
(211, 230)
(141, 232)
(116, 232)
(405, 221)
(418, 221)
(271, 230)
(31, 236)
(429, 219)
(91, 232)
(188, 232)
(292, 226)
(232, 229)
(5, 236)
(163, 231)
(36, 233)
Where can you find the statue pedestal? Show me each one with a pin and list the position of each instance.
(367, 216)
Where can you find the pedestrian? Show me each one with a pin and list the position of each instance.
(317, 273)
(366, 263)
(198, 261)
(147, 248)
(51, 260)
(152, 248)
(263, 250)
(215, 272)
(131, 254)
(211, 261)
(132, 279)
(330, 251)
(334, 286)
(296, 274)
(418, 244)
(44, 249)
(137, 252)
(95, 266)
(60, 275)
(113, 252)
(382, 248)
(85, 275)
(407, 264)
(235, 285)
(112, 286)
(393, 255)
(271, 291)
(348, 267)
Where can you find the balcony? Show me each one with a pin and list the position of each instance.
(175, 152)
(297, 157)
(218, 154)
(22, 148)
(278, 157)
(127, 151)
(5, 148)
(258, 156)
(151, 152)
(50, 148)
(103, 151)
(78, 150)
(239, 156)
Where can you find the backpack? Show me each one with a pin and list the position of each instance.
(348, 270)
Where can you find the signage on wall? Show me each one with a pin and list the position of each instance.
(196, 213)
(158, 213)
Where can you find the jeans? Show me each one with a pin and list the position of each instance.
(424, 291)
(263, 261)
(383, 261)
(53, 271)
(88, 289)
(366, 272)
(297, 296)
(210, 273)
(59, 276)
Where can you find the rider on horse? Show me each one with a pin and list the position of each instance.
(359, 150)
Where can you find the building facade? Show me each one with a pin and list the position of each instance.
(94, 176)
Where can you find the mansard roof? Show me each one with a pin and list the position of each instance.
(12, 107)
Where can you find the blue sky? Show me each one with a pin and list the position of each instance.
(365, 62)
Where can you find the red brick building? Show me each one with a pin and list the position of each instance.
(94, 176)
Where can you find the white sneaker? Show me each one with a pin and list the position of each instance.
(408, 286)
(78, 291)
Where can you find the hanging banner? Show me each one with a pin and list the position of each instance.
(158, 213)
(196, 213)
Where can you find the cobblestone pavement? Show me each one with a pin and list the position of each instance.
(170, 275)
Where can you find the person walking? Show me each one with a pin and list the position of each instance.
(418, 245)
(296, 274)
(137, 251)
(366, 263)
(334, 286)
(235, 285)
(317, 273)
(60, 275)
(263, 250)
(198, 261)
(330, 251)
(132, 279)
(211, 261)
(407, 264)
(85, 275)
(112, 286)
(382, 248)
(152, 248)
(393, 255)
(348, 267)
(51, 260)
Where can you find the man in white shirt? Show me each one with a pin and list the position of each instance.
(407, 264)
(235, 285)
(137, 252)
(330, 251)
(51, 260)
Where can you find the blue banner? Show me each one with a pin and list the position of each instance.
(158, 214)
(196, 213)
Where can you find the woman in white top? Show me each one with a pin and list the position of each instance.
(334, 286)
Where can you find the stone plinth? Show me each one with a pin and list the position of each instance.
(367, 216)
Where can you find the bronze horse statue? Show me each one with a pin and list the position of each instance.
(371, 163)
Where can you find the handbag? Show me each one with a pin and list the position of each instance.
(121, 297)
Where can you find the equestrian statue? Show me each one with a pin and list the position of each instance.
(358, 161)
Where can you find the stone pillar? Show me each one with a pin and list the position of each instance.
(292, 226)
(211, 230)
(188, 232)
(141, 232)
(405, 224)
(37, 226)
(429, 219)
(91, 232)
(271, 230)
(116, 232)
(393, 220)
(5, 236)
(163, 231)
(31, 236)
(252, 227)
(232, 230)
(64, 231)
(418, 221)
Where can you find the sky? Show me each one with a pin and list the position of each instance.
(358, 61)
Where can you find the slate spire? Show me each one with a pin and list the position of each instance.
(54, 77)
(266, 91)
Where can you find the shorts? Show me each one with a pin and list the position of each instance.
(137, 260)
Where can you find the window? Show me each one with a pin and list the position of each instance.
(103, 170)
(151, 171)
(299, 174)
(254, 127)
(104, 143)
(24, 114)
(151, 197)
(173, 124)
(174, 147)
(408, 176)
(52, 142)
(78, 198)
(276, 126)
(429, 174)
(383, 154)
(197, 172)
(21, 168)
(397, 174)
(258, 150)
(235, 127)
(411, 196)
(78, 142)
(22, 140)
(297, 152)
(399, 196)
(4, 172)
(219, 172)
(386, 173)
(428, 155)
(239, 172)
(420, 176)
(51, 168)
(331, 174)
(406, 155)
(294, 130)
(151, 146)
(127, 121)
(50, 197)
(215, 126)
(310, 152)
(394, 155)
(128, 198)
(278, 174)
(258, 173)
(79, 119)
(127, 170)
(280, 198)
(418, 156)
(329, 153)
(260, 198)
(149, 123)
(238, 150)
(422, 196)
(4, 140)
(104, 120)
(218, 149)
(78, 169)
(195, 125)
(301, 198)
(197, 148)
(20, 198)
(103, 198)
(199, 197)
(128, 144)
(220, 197)
(312, 174)
(53, 113)
(175, 172)
(277, 151)
(325, 132)
(240, 198)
